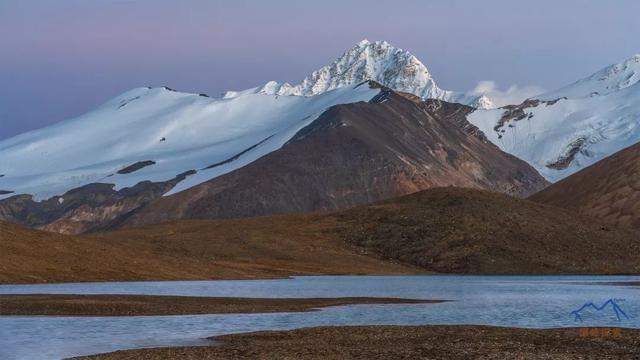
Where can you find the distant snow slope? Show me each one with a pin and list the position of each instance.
(177, 131)
(566, 130)
(608, 80)
(379, 61)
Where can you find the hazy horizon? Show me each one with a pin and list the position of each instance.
(63, 58)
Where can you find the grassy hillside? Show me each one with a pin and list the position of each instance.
(446, 230)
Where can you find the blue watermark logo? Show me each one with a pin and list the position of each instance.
(609, 305)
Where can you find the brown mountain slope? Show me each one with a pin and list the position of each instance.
(453, 230)
(187, 250)
(608, 190)
(356, 154)
(447, 230)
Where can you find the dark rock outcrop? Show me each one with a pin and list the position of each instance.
(136, 166)
(572, 150)
(515, 113)
(88, 208)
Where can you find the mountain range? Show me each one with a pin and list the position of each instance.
(372, 125)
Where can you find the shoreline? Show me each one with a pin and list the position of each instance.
(158, 305)
(390, 342)
(373, 274)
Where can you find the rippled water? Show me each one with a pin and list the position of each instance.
(517, 301)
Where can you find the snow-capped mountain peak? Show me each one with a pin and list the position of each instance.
(371, 60)
(379, 61)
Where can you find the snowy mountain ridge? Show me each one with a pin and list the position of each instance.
(379, 61)
(170, 131)
(566, 130)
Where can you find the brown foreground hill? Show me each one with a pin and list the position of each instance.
(188, 250)
(444, 230)
(608, 190)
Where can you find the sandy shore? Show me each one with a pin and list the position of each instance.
(132, 305)
(405, 342)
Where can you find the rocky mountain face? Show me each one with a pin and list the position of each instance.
(608, 190)
(355, 154)
(88, 208)
(564, 131)
(379, 61)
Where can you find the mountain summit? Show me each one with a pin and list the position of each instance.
(379, 61)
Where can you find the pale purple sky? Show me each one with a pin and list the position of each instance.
(61, 58)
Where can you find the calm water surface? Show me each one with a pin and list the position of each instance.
(517, 301)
